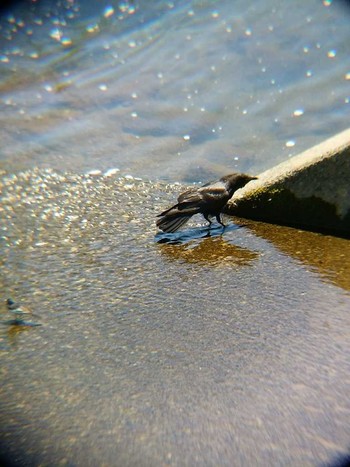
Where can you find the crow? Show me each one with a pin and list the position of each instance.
(207, 200)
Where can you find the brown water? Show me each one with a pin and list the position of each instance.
(184, 349)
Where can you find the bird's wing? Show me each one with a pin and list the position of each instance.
(171, 223)
(189, 199)
(195, 198)
(188, 195)
(213, 192)
(164, 213)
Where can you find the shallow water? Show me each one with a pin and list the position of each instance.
(220, 347)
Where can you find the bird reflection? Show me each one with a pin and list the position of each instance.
(207, 248)
(178, 238)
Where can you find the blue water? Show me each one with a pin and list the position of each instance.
(178, 90)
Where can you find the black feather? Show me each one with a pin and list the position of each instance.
(208, 200)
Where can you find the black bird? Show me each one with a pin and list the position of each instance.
(208, 200)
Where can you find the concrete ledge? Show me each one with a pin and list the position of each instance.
(310, 190)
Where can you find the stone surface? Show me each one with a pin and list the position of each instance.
(310, 190)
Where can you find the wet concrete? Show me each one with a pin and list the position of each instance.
(310, 190)
(206, 348)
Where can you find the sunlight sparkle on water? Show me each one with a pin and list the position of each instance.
(290, 143)
(126, 7)
(92, 28)
(298, 112)
(56, 34)
(108, 11)
(93, 172)
(66, 41)
(331, 53)
(111, 172)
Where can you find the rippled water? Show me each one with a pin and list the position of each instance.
(178, 90)
(198, 348)
(222, 346)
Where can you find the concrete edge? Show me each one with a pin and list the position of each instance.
(310, 190)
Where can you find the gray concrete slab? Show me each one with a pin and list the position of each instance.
(310, 190)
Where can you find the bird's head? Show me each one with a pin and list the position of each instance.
(10, 302)
(236, 180)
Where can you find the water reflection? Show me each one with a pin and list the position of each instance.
(210, 250)
(185, 236)
(324, 254)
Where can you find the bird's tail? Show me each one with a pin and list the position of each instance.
(172, 221)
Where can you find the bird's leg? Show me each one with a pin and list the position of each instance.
(206, 217)
(218, 218)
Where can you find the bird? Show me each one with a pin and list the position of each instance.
(17, 310)
(208, 200)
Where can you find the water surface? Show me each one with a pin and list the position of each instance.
(200, 348)
(219, 349)
(177, 90)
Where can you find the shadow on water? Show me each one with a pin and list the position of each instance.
(185, 236)
(205, 246)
